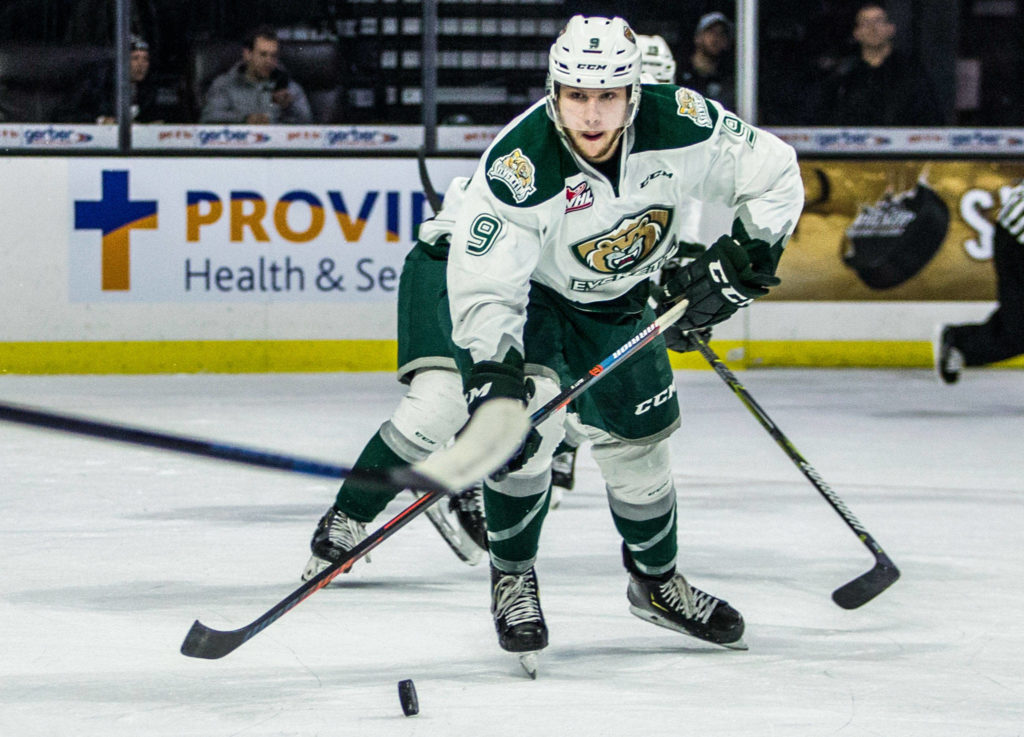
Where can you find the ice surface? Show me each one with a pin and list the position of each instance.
(110, 551)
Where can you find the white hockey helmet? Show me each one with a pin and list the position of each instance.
(595, 53)
(657, 62)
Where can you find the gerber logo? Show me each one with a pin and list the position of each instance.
(516, 171)
(54, 136)
(628, 244)
(694, 107)
(230, 137)
(359, 137)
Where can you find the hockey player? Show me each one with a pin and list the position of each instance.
(658, 65)
(571, 210)
(1002, 335)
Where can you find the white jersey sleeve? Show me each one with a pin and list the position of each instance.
(755, 172)
(494, 250)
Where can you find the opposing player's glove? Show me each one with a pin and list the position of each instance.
(719, 281)
(494, 379)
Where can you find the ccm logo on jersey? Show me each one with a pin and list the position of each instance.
(579, 197)
(657, 400)
(717, 274)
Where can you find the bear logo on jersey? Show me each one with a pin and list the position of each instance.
(516, 171)
(694, 107)
(626, 245)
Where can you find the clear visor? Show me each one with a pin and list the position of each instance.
(592, 110)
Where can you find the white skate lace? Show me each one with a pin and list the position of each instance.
(515, 599)
(694, 603)
(345, 532)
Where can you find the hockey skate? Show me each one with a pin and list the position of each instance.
(460, 521)
(949, 361)
(336, 533)
(563, 475)
(518, 619)
(677, 605)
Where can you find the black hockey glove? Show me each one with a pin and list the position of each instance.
(681, 342)
(494, 379)
(717, 283)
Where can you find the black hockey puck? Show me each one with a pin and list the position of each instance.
(407, 695)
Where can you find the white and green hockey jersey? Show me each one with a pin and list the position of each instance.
(534, 211)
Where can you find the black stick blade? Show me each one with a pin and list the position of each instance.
(205, 642)
(866, 587)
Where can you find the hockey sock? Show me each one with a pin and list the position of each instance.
(362, 502)
(513, 527)
(651, 542)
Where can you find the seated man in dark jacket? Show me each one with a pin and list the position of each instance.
(256, 90)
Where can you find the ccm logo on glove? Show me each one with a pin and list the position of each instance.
(717, 273)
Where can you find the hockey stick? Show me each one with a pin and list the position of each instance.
(868, 585)
(207, 448)
(206, 642)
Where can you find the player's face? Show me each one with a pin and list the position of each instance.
(593, 119)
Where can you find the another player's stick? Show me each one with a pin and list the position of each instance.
(206, 642)
(197, 446)
(868, 585)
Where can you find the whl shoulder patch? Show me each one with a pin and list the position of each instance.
(517, 172)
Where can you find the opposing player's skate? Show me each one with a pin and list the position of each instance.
(460, 521)
(518, 619)
(336, 533)
(677, 605)
(563, 474)
(948, 359)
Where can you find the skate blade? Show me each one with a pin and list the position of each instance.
(645, 615)
(529, 663)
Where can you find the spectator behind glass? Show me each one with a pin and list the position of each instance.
(256, 90)
(708, 70)
(880, 86)
(96, 100)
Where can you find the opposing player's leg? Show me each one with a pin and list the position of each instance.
(1001, 336)
(563, 465)
(426, 418)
